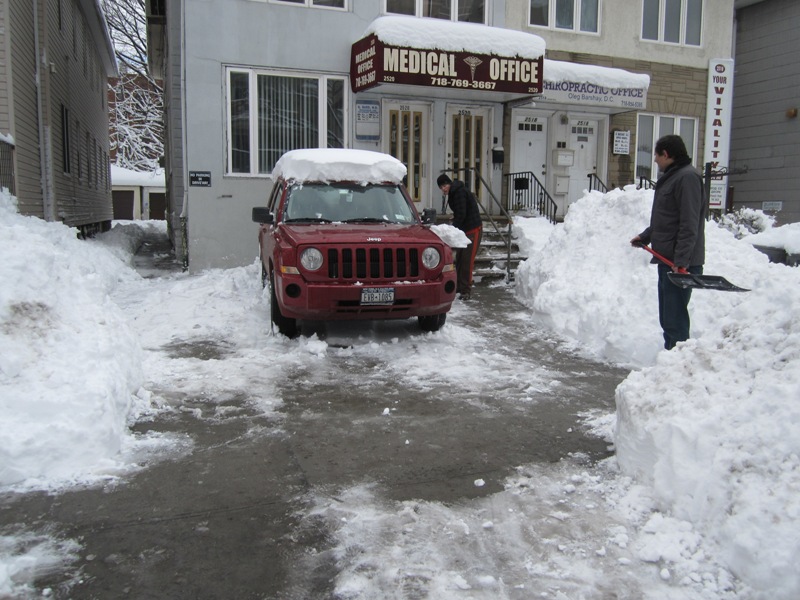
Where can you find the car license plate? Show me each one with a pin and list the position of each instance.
(377, 296)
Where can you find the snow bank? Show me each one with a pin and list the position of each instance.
(70, 366)
(713, 426)
(786, 237)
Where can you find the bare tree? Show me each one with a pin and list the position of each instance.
(136, 99)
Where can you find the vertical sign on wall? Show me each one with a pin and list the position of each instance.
(368, 120)
(718, 125)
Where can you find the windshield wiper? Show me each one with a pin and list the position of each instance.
(308, 220)
(367, 220)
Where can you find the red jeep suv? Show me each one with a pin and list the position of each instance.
(341, 239)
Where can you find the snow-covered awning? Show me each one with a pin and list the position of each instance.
(590, 85)
(470, 58)
(442, 54)
(123, 177)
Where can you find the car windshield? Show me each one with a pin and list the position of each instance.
(348, 203)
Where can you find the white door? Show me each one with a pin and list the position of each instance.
(583, 140)
(468, 145)
(408, 139)
(529, 145)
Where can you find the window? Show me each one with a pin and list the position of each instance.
(65, 146)
(317, 3)
(269, 114)
(467, 11)
(77, 145)
(650, 128)
(88, 147)
(571, 15)
(672, 21)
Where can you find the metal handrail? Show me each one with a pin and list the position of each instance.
(646, 184)
(488, 214)
(596, 184)
(529, 193)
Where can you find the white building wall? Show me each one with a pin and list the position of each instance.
(621, 34)
(290, 38)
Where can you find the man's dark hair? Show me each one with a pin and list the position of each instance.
(672, 146)
(443, 179)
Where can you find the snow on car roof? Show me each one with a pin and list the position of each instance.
(338, 164)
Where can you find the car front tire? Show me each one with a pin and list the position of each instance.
(285, 325)
(432, 322)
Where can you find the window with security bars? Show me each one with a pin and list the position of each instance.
(580, 16)
(270, 114)
(316, 3)
(466, 11)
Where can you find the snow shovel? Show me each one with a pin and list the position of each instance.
(684, 279)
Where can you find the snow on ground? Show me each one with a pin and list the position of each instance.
(713, 428)
(701, 500)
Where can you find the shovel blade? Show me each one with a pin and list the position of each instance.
(704, 282)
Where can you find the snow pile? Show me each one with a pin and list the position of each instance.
(713, 426)
(336, 164)
(65, 414)
(786, 237)
(452, 236)
(588, 284)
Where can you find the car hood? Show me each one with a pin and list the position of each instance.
(359, 233)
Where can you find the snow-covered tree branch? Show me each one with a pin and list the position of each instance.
(136, 99)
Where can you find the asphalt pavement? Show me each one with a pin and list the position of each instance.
(230, 518)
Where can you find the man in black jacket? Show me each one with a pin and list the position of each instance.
(467, 218)
(677, 232)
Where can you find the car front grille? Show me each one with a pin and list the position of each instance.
(373, 263)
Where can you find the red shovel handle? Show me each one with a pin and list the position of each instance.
(663, 259)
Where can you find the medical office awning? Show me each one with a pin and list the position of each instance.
(477, 61)
(443, 55)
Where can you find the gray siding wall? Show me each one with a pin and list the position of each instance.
(173, 142)
(78, 84)
(5, 119)
(72, 79)
(23, 99)
(766, 83)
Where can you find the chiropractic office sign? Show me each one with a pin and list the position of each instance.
(372, 63)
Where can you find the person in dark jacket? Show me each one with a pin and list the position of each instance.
(467, 218)
(677, 232)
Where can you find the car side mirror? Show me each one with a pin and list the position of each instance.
(429, 216)
(261, 214)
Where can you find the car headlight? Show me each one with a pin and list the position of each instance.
(311, 259)
(431, 257)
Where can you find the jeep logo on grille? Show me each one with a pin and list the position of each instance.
(371, 239)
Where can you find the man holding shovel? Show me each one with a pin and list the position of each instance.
(676, 232)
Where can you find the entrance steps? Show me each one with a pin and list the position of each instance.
(498, 257)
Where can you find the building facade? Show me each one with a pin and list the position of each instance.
(765, 139)
(55, 58)
(246, 80)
